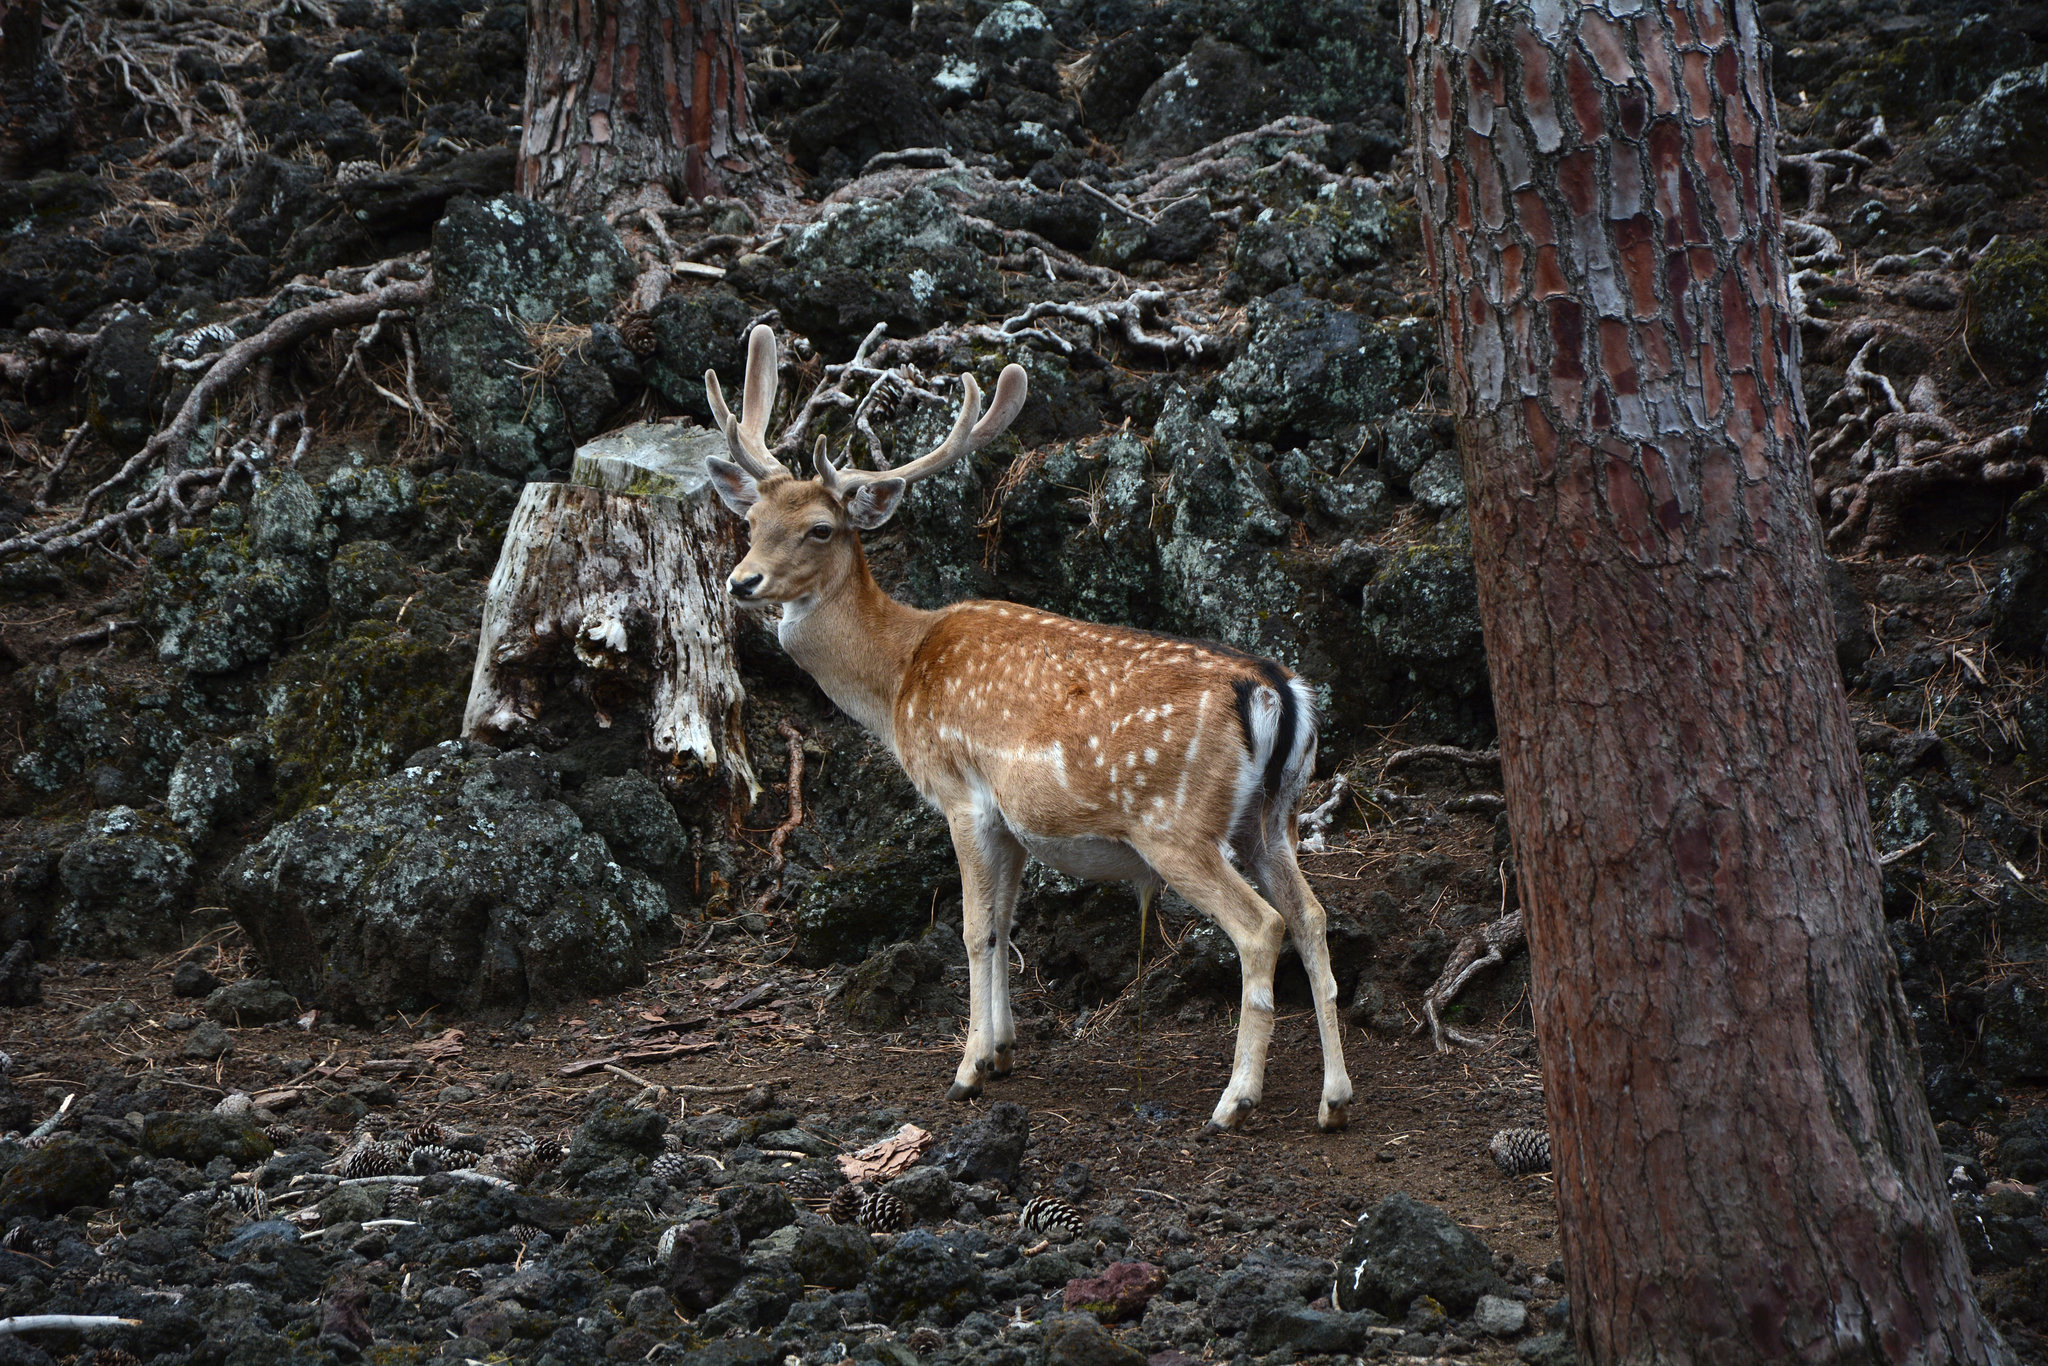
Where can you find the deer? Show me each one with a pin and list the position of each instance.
(1109, 753)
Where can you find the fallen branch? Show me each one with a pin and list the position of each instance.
(283, 332)
(795, 817)
(1887, 860)
(77, 1323)
(98, 635)
(1127, 318)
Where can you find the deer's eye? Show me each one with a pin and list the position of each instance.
(821, 532)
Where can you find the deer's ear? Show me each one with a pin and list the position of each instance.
(736, 488)
(875, 502)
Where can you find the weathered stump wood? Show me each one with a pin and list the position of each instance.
(618, 578)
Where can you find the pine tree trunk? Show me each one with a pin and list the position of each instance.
(613, 588)
(1746, 1168)
(624, 95)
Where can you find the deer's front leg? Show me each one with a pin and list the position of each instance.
(990, 863)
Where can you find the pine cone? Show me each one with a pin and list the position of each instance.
(249, 1200)
(674, 1143)
(432, 1157)
(1520, 1151)
(520, 1166)
(349, 172)
(235, 1105)
(810, 1185)
(433, 1133)
(401, 1200)
(637, 331)
(280, 1134)
(666, 1247)
(881, 1212)
(1051, 1218)
(373, 1159)
(670, 1168)
(526, 1233)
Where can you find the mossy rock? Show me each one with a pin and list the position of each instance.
(1920, 75)
(62, 1176)
(2009, 308)
(196, 1137)
(1420, 620)
(356, 709)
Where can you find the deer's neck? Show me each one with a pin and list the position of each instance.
(856, 641)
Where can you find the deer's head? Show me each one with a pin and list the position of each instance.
(803, 533)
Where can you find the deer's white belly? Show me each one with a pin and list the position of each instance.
(1088, 857)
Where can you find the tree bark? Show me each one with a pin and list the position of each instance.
(1746, 1169)
(613, 587)
(626, 95)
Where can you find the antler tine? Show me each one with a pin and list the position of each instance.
(828, 473)
(971, 431)
(744, 434)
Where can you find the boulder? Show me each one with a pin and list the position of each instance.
(462, 879)
(1310, 1332)
(926, 1193)
(1402, 1249)
(218, 601)
(926, 1276)
(1218, 89)
(1426, 652)
(901, 981)
(1081, 1340)
(834, 1255)
(2022, 1152)
(57, 1177)
(1498, 1316)
(191, 981)
(254, 1001)
(2006, 126)
(1309, 368)
(873, 104)
(209, 785)
(128, 882)
(504, 269)
(706, 1263)
(20, 983)
(361, 573)
(911, 261)
(635, 819)
(1118, 1295)
(990, 1148)
(2008, 316)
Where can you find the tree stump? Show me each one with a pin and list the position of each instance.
(613, 585)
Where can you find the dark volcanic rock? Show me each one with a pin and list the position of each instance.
(255, 1001)
(874, 105)
(193, 981)
(55, 1178)
(129, 879)
(1402, 1249)
(707, 1263)
(461, 879)
(835, 1255)
(900, 981)
(20, 983)
(196, 1137)
(923, 1275)
(987, 1149)
(1081, 1340)
(500, 268)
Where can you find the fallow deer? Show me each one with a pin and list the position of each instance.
(1108, 753)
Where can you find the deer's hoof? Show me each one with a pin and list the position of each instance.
(962, 1091)
(1332, 1118)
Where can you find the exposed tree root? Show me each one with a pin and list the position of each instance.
(1482, 949)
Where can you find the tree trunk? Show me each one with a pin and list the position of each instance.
(1746, 1169)
(625, 95)
(613, 587)
(35, 107)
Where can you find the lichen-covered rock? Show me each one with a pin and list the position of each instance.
(2008, 316)
(214, 782)
(1309, 369)
(61, 1176)
(462, 879)
(1402, 1249)
(2007, 125)
(835, 1255)
(613, 1133)
(370, 501)
(361, 573)
(218, 601)
(501, 268)
(2015, 1030)
(1425, 646)
(1218, 89)
(127, 881)
(84, 724)
(1340, 227)
(912, 262)
(874, 104)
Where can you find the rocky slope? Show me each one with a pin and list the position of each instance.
(1189, 221)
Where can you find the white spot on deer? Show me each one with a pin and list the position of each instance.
(1151, 755)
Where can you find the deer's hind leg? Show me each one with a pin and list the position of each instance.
(1201, 874)
(991, 862)
(1279, 875)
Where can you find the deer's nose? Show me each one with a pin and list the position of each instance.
(743, 585)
